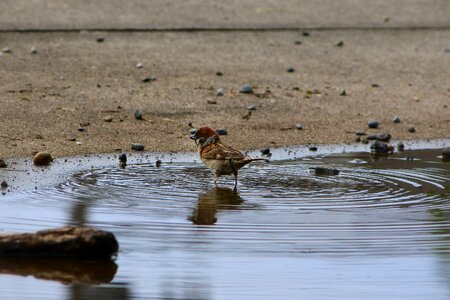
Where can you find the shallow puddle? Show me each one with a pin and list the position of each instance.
(378, 230)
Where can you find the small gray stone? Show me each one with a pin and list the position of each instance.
(411, 129)
(372, 137)
(396, 120)
(220, 92)
(299, 126)
(139, 65)
(100, 39)
(6, 50)
(384, 137)
(312, 148)
(373, 124)
(297, 42)
(219, 73)
(158, 163)
(343, 93)
(221, 131)
(251, 107)
(81, 129)
(2, 163)
(291, 70)
(108, 119)
(375, 85)
(33, 50)
(4, 184)
(137, 147)
(246, 89)
(138, 115)
(340, 44)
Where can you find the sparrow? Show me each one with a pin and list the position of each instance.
(218, 157)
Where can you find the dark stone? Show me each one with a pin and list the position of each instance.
(69, 241)
(42, 159)
(340, 44)
(360, 133)
(343, 93)
(246, 89)
(384, 137)
(299, 126)
(373, 124)
(291, 70)
(358, 139)
(221, 131)
(148, 79)
(400, 147)
(375, 85)
(138, 115)
(123, 159)
(379, 148)
(446, 155)
(33, 50)
(396, 120)
(158, 163)
(2, 163)
(313, 148)
(411, 129)
(372, 137)
(137, 147)
(81, 129)
(4, 184)
(265, 151)
(100, 39)
(305, 33)
(325, 171)
(297, 42)
(219, 74)
(220, 92)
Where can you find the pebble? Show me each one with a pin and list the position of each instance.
(137, 147)
(305, 33)
(373, 124)
(4, 184)
(384, 137)
(396, 120)
(325, 171)
(358, 139)
(158, 163)
(297, 42)
(33, 50)
(42, 158)
(6, 50)
(139, 65)
(372, 137)
(446, 155)
(380, 148)
(123, 160)
(400, 147)
(299, 126)
(148, 79)
(138, 115)
(291, 70)
(360, 133)
(246, 89)
(100, 39)
(313, 148)
(340, 44)
(412, 129)
(219, 74)
(375, 85)
(265, 151)
(251, 107)
(81, 129)
(108, 119)
(221, 131)
(2, 163)
(210, 101)
(343, 93)
(220, 92)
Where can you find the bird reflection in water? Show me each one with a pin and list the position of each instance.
(208, 203)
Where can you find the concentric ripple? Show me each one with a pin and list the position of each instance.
(280, 207)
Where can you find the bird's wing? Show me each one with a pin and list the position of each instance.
(221, 152)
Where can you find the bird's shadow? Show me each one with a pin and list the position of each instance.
(210, 202)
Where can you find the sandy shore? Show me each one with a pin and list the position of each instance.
(391, 62)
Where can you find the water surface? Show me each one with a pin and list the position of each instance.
(378, 230)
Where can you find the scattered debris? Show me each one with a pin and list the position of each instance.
(42, 158)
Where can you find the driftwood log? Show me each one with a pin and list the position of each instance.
(67, 242)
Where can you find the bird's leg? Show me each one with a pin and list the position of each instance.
(235, 173)
(216, 177)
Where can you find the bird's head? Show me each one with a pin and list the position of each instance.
(204, 134)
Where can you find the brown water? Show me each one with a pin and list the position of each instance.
(378, 230)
